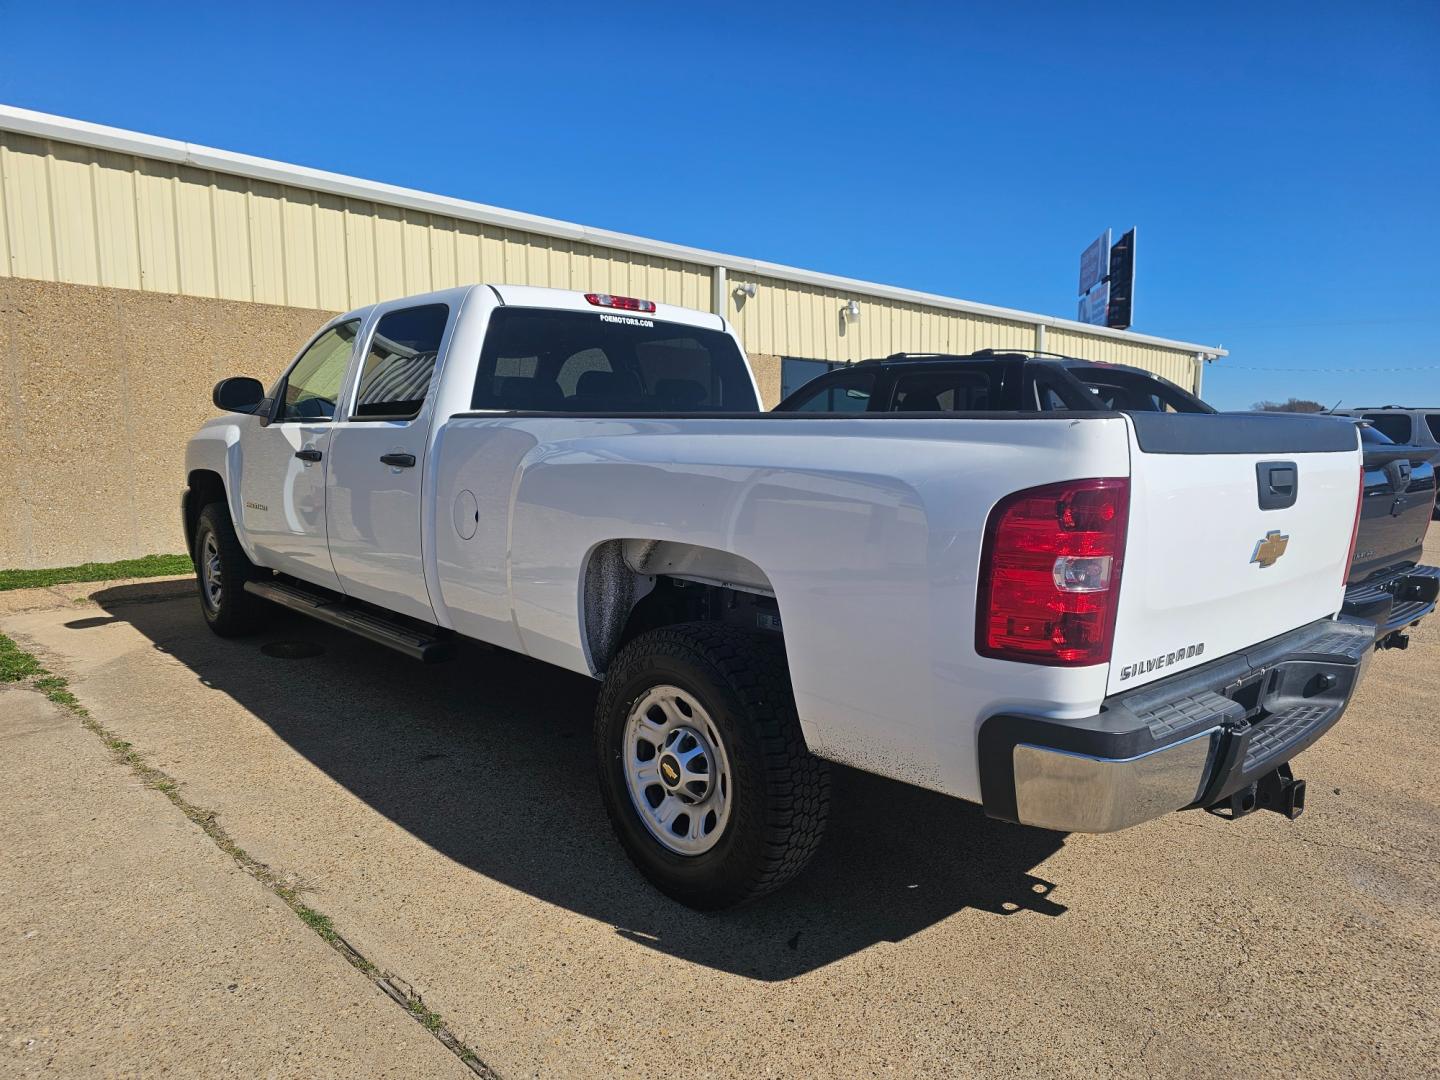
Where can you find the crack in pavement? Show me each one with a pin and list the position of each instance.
(41, 680)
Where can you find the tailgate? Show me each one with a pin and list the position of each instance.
(1210, 570)
(1399, 497)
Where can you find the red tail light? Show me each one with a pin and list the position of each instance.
(1354, 530)
(1050, 573)
(627, 303)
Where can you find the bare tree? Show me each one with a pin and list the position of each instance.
(1291, 405)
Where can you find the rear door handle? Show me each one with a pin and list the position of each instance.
(308, 455)
(399, 461)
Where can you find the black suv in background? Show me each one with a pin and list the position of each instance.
(988, 381)
(1386, 583)
(1405, 426)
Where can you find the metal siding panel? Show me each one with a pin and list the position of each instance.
(467, 253)
(4, 216)
(155, 226)
(617, 272)
(265, 218)
(824, 330)
(578, 268)
(562, 261)
(389, 237)
(443, 234)
(113, 179)
(72, 203)
(96, 216)
(645, 279)
(492, 254)
(415, 248)
(791, 319)
(512, 260)
(598, 274)
(229, 208)
(763, 316)
(537, 261)
(360, 254)
(195, 233)
(785, 322)
(332, 258)
(27, 195)
(298, 223)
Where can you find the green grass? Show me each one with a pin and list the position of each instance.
(17, 665)
(148, 566)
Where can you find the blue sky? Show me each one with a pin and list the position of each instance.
(1282, 161)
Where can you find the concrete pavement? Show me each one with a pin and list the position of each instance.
(446, 819)
(130, 945)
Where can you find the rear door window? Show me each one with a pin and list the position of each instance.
(1432, 421)
(536, 360)
(1133, 391)
(400, 363)
(1396, 426)
(845, 393)
(976, 389)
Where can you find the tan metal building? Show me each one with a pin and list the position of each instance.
(136, 270)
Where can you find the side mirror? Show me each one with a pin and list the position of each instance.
(240, 394)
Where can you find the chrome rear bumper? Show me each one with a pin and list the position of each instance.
(1190, 740)
(1055, 789)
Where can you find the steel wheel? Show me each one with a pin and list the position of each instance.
(212, 576)
(677, 770)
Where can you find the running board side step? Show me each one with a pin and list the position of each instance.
(337, 611)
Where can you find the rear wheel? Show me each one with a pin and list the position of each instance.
(703, 769)
(221, 570)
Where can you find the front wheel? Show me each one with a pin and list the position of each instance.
(221, 570)
(703, 769)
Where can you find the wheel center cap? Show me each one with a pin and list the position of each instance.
(670, 771)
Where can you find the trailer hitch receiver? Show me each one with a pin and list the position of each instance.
(1277, 790)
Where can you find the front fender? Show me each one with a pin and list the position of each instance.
(218, 448)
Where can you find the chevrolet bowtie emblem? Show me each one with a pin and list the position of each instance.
(1268, 551)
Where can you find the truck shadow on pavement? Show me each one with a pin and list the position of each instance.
(487, 760)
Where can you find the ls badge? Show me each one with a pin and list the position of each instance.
(1268, 551)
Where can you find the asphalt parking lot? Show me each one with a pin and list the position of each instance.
(445, 819)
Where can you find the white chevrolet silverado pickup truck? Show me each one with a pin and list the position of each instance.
(1081, 620)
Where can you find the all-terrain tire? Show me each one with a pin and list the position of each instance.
(779, 791)
(229, 610)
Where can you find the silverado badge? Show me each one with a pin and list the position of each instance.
(1268, 551)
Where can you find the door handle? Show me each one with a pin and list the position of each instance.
(1279, 483)
(399, 461)
(308, 455)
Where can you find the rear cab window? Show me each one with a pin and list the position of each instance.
(541, 360)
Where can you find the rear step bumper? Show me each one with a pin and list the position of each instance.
(390, 631)
(1191, 740)
(1396, 600)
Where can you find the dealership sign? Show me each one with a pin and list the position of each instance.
(1107, 282)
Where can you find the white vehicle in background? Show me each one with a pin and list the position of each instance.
(1081, 621)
